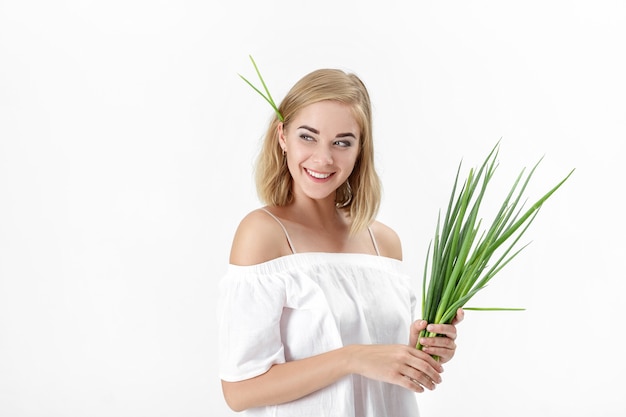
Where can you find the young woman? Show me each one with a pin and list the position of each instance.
(316, 313)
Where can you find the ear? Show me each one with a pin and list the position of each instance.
(281, 136)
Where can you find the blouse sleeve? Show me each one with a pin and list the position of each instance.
(249, 312)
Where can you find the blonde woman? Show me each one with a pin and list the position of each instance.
(316, 313)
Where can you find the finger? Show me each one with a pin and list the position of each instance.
(424, 374)
(416, 328)
(460, 315)
(444, 354)
(438, 342)
(425, 365)
(411, 384)
(418, 325)
(443, 347)
(447, 330)
(420, 356)
(419, 380)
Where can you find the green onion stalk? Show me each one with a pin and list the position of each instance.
(460, 252)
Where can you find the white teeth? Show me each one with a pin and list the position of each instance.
(317, 175)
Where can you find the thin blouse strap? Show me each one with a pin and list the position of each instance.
(369, 229)
(284, 229)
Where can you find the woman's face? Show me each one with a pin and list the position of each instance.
(321, 145)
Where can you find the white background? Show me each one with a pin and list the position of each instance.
(126, 149)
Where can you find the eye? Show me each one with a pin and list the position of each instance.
(306, 137)
(343, 143)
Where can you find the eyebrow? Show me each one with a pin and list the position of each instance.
(317, 132)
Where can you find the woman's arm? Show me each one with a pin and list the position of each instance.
(288, 381)
(397, 364)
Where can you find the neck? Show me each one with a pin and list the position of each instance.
(318, 214)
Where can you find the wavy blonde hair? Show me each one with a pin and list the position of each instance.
(273, 180)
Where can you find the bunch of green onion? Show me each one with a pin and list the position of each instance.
(461, 253)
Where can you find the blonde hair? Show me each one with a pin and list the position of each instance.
(273, 179)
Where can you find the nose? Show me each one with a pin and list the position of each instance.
(323, 155)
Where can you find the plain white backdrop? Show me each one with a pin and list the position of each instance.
(126, 149)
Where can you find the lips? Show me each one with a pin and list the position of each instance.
(318, 175)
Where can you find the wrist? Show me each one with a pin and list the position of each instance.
(350, 360)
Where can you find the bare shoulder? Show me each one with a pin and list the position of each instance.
(388, 240)
(259, 238)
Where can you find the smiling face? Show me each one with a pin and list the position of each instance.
(321, 145)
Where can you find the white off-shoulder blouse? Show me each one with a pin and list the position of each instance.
(305, 304)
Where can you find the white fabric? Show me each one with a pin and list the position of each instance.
(304, 304)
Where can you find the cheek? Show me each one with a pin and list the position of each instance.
(349, 158)
(294, 155)
(294, 159)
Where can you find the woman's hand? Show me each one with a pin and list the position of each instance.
(443, 347)
(396, 364)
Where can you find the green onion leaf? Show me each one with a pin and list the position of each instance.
(459, 258)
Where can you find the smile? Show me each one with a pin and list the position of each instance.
(317, 175)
